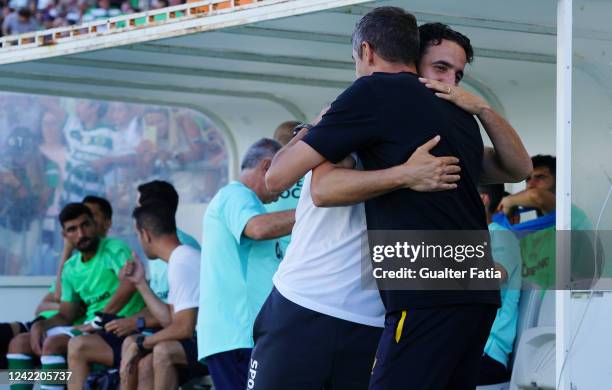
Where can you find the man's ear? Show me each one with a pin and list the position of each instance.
(146, 235)
(63, 233)
(265, 164)
(367, 53)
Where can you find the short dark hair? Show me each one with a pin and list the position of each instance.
(156, 217)
(284, 132)
(391, 32)
(159, 191)
(24, 12)
(432, 34)
(260, 150)
(495, 193)
(545, 160)
(73, 211)
(103, 204)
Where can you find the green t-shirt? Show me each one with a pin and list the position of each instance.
(538, 252)
(52, 177)
(95, 281)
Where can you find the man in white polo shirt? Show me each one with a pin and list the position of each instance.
(171, 353)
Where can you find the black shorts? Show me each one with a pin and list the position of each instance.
(297, 348)
(26, 326)
(432, 349)
(194, 368)
(115, 343)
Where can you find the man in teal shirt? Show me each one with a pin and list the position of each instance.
(506, 253)
(234, 225)
(270, 253)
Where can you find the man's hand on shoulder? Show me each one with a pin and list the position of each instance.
(469, 102)
(426, 173)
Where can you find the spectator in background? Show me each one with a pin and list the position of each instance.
(158, 4)
(102, 11)
(126, 138)
(199, 149)
(5, 119)
(89, 141)
(23, 192)
(126, 8)
(53, 151)
(19, 22)
(72, 10)
(154, 147)
(174, 139)
(21, 110)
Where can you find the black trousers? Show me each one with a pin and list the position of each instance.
(432, 349)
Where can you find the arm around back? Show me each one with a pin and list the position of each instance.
(270, 225)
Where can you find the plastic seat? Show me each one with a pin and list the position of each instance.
(534, 363)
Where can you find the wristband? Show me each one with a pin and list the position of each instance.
(140, 324)
(301, 126)
(140, 344)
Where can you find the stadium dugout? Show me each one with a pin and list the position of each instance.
(232, 70)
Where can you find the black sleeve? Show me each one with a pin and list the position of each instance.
(348, 126)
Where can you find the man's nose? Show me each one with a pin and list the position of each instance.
(449, 78)
(80, 233)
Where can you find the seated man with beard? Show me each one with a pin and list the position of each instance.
(90, 280)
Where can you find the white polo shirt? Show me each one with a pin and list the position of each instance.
(184, 278)
(322, 268)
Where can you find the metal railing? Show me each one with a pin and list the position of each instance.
(128, 22)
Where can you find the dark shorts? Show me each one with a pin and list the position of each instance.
(229, 369)
(115, 343)
(492, 372)
(298, 348)
(194, 368)
(432, 349)
(26, 326)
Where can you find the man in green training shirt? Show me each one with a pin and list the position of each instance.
(49, 305)
(90, 281)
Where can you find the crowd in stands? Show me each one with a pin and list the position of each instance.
(22, 16)
(58, 150)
